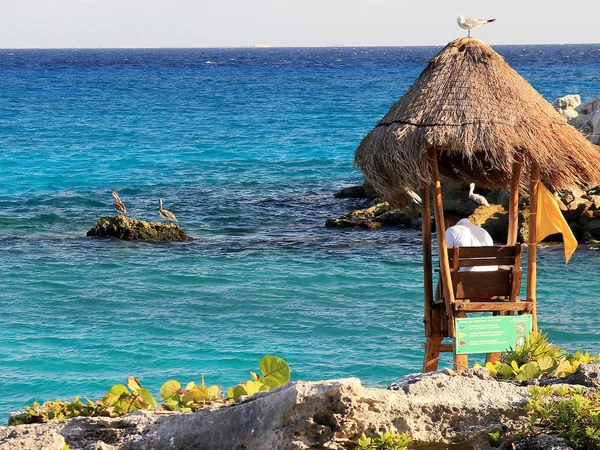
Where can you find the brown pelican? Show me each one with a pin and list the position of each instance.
(118, 204)
(479, 199)
(467, 23)
(167, 215)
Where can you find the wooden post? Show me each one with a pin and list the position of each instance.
(513, 224)
(426, 237)
(534, 180)
(441, 239)
(513, 207)
(432, 353)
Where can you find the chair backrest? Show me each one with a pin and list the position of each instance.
(478, 285)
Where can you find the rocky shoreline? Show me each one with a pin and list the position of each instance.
(581, 209)
(457, 411)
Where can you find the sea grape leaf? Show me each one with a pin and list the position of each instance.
(531, 370)
(190, 386)
(147, 397)
(563, 369)
(252, 387)
(238, 391)
(213, 392)
(546, 363)
(170, 389)
(276, 372)
(195, 395)
(119, 390)
(505, 371)
(133, 384)
(230, 393)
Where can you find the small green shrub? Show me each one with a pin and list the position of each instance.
(120, 400)
(537, 358)
(387, 441)
(275, 373)
(495, 438)
(190, 399)
(570, 412)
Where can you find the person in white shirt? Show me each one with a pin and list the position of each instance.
(460, 232)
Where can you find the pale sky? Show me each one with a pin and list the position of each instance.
(285, 23)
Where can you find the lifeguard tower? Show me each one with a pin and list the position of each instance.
(470, 117)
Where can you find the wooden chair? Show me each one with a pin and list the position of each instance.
(494, 290)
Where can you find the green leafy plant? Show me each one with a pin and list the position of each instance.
(56, 410)
(495, 437)
(387, 441)
(537, 358)
(275, 373)
(189, 399)
(121, 399)
(570, 412)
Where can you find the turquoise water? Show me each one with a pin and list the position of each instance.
(246, 147)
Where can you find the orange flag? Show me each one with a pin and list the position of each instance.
(550, 221)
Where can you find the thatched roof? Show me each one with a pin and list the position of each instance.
(471, 104)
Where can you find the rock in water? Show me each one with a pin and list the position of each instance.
(127, 229)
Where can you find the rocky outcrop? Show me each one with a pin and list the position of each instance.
(583, 116)
(127, 229)
(376, 216)
(438, 407)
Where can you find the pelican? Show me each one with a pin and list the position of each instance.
(479, 199)
(118, 204)
(167, 215)
(467, 23)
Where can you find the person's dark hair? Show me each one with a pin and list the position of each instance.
(453, 215)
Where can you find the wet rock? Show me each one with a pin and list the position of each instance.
(127, 229)
(543, 442)
(586, 375)
(593, 228)
(351, 192)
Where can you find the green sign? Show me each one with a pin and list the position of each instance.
(491, 333)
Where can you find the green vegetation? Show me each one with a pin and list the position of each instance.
(571, 412)
(537, 358)
(121, 399)
(495, 437)
(387, 441)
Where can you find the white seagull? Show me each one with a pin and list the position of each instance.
(467, 23)
(414, 197)
(167, 215)
(479, 199)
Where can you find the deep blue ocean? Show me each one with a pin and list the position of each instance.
(246, 147)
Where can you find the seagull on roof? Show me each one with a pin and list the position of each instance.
(479, 199)
(467, 23)
(167, 215)
(118, 204)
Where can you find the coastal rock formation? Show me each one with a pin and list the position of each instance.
(127, 229)
(376, 216)
(438, 407)
(583, 116)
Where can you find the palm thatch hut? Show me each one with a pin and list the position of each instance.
(470, 117)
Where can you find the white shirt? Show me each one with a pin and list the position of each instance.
(466, 234)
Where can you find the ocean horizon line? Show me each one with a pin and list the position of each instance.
(268, 46)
